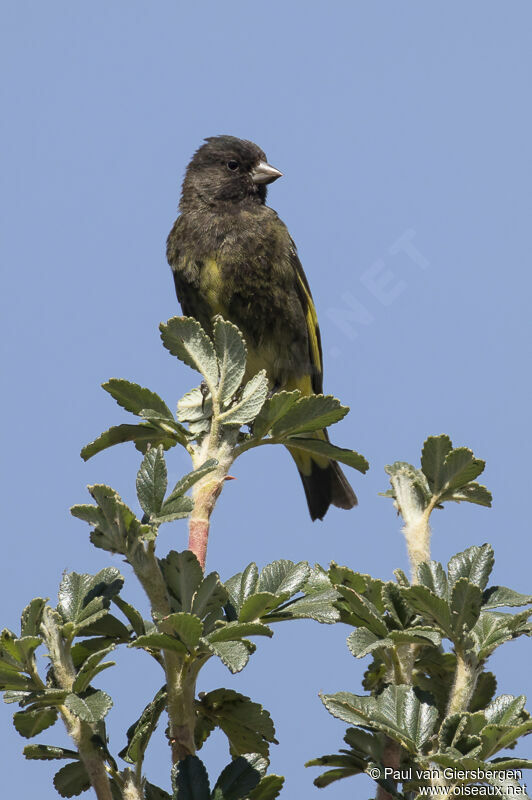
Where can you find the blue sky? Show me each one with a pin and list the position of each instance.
(403, 131)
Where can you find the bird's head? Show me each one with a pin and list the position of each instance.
(226, 170)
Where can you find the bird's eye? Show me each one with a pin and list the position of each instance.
(232, 165)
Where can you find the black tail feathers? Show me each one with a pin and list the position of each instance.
(327, 486)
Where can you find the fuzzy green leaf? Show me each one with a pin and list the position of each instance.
(319, 606)
(159, 641)
(183, 575)
(176, 508)
(247, 725)
(274, 408)
(309, 414)
(92, 707)
(242, 585)
(185, 338)
(466, 599)
(187, 627)
(48, 752)
(142, 435)
(231, 353)
(91, 668)
(134, 617)
(235, 655)
(190, 780)
(185, 483)
(322, 448)
(268, 788)
(460, 467)
(30, 621)
(211, 595)
(397, 712)
(84, 598)
(432, 575)
(500, 596)
(429, 605)
(134, 398)
(72, 779)
(240, 776)
(32, 722)
(260, 604)
(246, 408)
(139, 734)
(152, 481)
(283, 576)
(234, 631)
(435, 449)
(475, 564)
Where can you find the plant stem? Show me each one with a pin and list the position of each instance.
(82, 733)
(465, 681)
(207, 490)
(391, 757)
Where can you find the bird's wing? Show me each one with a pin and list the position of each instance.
(311, 318)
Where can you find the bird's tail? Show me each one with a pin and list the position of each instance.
(323, 481)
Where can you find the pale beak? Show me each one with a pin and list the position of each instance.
(265, 173)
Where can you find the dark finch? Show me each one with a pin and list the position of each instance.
(231, 255)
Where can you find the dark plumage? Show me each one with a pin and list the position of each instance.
(231, 255)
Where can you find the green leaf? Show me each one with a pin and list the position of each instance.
(470, 493)
(397, 712)
(210, 596)
(115, 526)
(475, 564)
(185, 483)
(134, 617)
(283, 576)
(188, 627)
(30, 723)
(231, 353)
(460, 467)
(318, 606)
(257, 605)
(268, 788)
(134, 398)
(309, 414)
(235, 655)
(177, 508)
(30, 622)
(234, 631)
(410, 488)
(185, 338)
(362, 641)
(139, 734)
(190, 780)
(429, 605)
(432, 575)
(505, 710)
(72, 779)
(247, 725)
(152, 481)
(242, 585)
(466, 599)
(499, 596)
(183, 575)
(92, 707)
(364, 610)
(85, 598)
(91, 668)
(195, 407)
(48, 752)
(239, 777)
(250, 403)
(274, 408)
(159, 641)
(395, 605)
(322, 448)
(142, 435)
(435, 449)
(494, 628)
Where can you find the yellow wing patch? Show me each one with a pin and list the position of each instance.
(312, 327)
(211, 286)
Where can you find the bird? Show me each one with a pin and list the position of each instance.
(231, 255)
